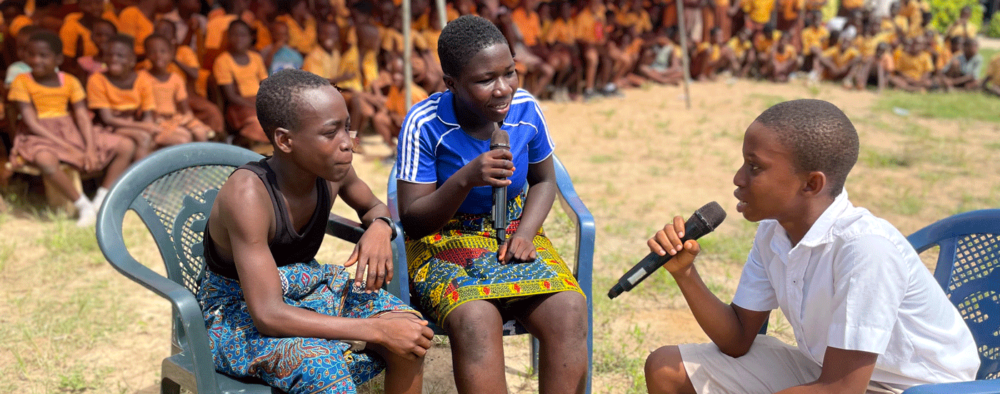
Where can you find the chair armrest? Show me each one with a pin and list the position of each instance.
(585, 227)
(975, 387)
(344, 228)
(194, 339)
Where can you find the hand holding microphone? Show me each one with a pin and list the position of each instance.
(676, 239)
(500, 141)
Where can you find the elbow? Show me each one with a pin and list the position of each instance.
(268, 323)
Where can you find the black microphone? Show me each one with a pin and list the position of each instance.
(500, 140)
(702, 222)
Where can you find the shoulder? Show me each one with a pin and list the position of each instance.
(244, 196)
(424, 115)
(524, 108)
(72, 20)
(96, 80)
(22, 80)
(859, 229)
(129, 11)
(254, 56)
(71, 81)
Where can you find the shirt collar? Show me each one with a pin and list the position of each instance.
(446, 109)
(819, 233)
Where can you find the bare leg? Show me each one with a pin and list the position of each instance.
(476, 333)
(124, 151)
(49, 164)
(665, 372)
(142, 138)
(559, 321)
(402, 375)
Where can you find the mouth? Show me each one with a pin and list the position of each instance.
(499, 107)
(742, 204)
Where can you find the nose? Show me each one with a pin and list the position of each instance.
(503, 88)
(740, 179)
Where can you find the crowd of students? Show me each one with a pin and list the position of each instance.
(160, 73)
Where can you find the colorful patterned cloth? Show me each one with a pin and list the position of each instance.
(295, 365)
(459, 264)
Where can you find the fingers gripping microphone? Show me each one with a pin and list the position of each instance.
(500, 140)
(702, 222)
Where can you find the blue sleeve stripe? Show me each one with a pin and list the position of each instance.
(410, 138)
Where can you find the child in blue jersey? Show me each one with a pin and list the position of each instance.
(446, 172)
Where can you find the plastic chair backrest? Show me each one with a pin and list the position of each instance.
(174, 198)
(966, 269)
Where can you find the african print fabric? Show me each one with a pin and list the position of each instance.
(295, 365)
(459, 264)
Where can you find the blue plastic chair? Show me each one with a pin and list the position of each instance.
(967, 261)
(172, 191)
(584, 222)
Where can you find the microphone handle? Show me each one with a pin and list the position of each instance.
(653, 261)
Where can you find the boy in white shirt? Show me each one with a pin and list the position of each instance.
(867, 315)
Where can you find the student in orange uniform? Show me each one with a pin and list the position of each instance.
(761, 13)
(170, 94)
(217, 28)
(962, 27)
(589, 31)
(389, 119)
(238, 72)
(791, 19)
(784, 60)
(301, 26)
(991, 83)
(324, 60)
(49, 134)
(100, 33)
(913, 67)
(123, 98)
(137, 21)
(15, 20)
(837, 61)
(561, 39)
(738, 54)
(526, 48)
(763, 43)
(185, 65)
(708, 57)
(76, 28)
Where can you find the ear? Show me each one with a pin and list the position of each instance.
(814, 183)
(449, 82)
(283, 140)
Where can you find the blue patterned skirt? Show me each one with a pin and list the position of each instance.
(295, 365)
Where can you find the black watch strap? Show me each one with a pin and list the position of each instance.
(392, 226)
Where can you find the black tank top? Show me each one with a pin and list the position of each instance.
(287, 246)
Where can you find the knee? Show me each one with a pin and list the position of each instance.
(569, 323)
(474, 322)
(125, 147)
(665, 371)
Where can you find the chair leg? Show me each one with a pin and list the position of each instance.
(534, 355)
(168, 386)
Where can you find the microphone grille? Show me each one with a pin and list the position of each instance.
(713, 214)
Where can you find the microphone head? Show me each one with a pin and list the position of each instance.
(711, 214)
(499, 139)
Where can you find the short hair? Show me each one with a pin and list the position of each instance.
(106, 22)
(123, 39)
(238, 22)
(463, 38)
(49, 38)
(279, 95)
(820, 136)
(153, 37)
(28, 30)
(15, 4)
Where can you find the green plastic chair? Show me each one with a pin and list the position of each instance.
(172, 191)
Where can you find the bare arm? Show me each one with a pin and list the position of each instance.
(425, 208)
(541, 194)
(844, 371)
(732, 328)
(233, 96)
(245, 212)
(373, 253)
(30, 118)
(191, 72)
(109, 118)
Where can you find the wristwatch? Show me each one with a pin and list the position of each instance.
(392, 225)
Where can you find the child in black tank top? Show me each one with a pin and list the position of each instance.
(273, 312)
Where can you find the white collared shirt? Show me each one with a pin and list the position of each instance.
(854, 283)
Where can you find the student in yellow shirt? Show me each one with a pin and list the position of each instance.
(763, 43)
(529, 49)
(388, 120)
(238, 72)
(324, 60)
(877, 70)
(784, 60)
(738, 54)
(301, 26)
(962, 27)
(76, 30)
(837, 62)
(708, 58)
(913, 67)
(561, 39)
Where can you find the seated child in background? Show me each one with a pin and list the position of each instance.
(123, 99)
(838, 61)
(324, 60)
(965, 69)
(170, 94)
(279, 56)
(20, 67)
(77, 29)
(100, 33)
(238, 73)
(186, 66)
(388, 120)
(48, 135)
(301, 26)
(561, 39)
(14, 20)
(866, 312)
(661, 63)
(991, 83)
(763, 45)
(963, 27)
(708, 59)
(815, 40)
(875, 70)
(275, 313)
(738, 54)
(784, 60)
(913, 67)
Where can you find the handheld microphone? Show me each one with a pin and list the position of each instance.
(500, 140)
(702, 222)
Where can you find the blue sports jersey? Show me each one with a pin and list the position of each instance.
(432, 146)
